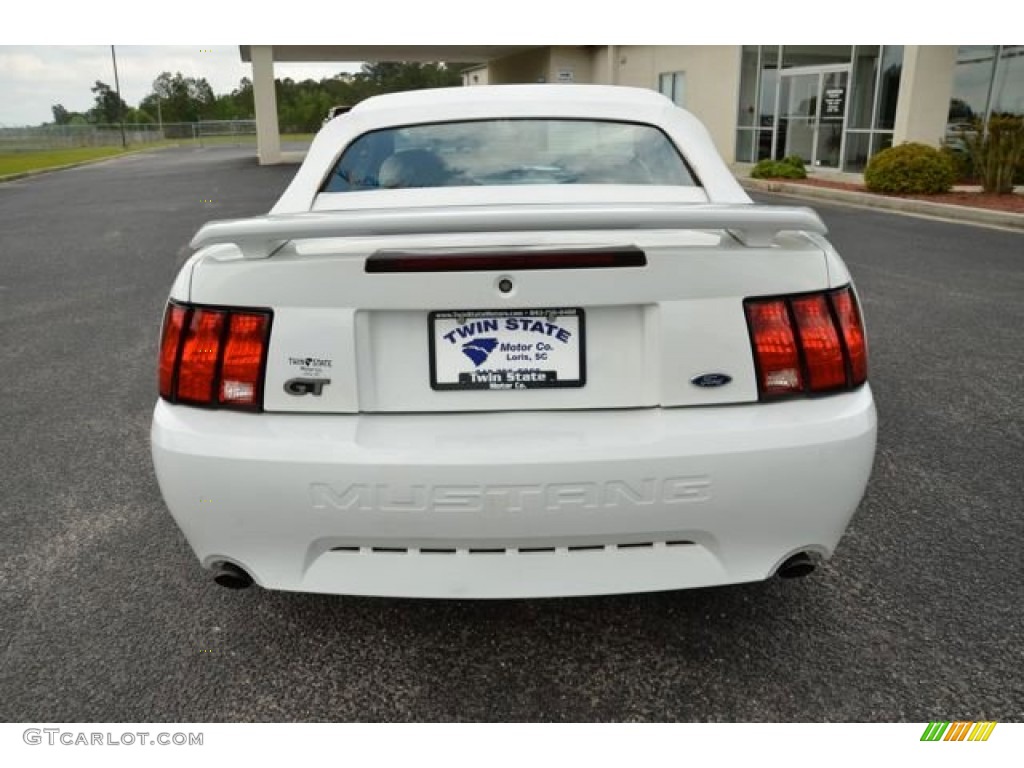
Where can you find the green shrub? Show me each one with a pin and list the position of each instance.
(963, 168)
(775, 169)
(914, 169)
(795, 160)
(996, 152)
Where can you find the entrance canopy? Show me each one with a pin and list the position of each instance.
(263, 57)
(317, 53)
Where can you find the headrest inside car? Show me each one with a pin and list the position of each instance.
(412, 168)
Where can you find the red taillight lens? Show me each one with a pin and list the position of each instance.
(213, 356)
(199, 356)
(243, 359)
(811, 343)
(853, 334)
(174, 320)
(822, 350)
(775, 348)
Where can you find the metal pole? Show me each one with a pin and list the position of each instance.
(117, 90)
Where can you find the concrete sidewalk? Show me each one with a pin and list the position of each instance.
(959, 213)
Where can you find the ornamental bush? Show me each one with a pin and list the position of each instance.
(910, 169)
(996, 152)
(788, 168)
(963, 168)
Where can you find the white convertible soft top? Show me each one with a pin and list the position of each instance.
(595, 102)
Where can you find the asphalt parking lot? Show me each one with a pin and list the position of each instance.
(107, 617)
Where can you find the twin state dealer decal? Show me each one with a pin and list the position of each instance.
(507, 349)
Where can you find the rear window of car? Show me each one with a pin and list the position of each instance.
(503, 152)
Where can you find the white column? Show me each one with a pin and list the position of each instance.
(268, 134)
(926, 86)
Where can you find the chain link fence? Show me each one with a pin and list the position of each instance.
(202, 133)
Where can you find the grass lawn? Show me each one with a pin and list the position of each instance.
(18, 162)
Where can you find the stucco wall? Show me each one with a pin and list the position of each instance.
(712, 82)
(571, 60)
(527, 67)
(475, 76)
(602, 63)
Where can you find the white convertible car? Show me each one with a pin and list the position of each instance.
(513, 341)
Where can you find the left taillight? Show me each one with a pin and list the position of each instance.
(214, 357)
(170, 347)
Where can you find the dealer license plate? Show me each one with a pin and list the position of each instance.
(507, 349)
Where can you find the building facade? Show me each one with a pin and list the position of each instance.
(834, 106)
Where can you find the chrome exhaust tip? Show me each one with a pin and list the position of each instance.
(231, 576)
(796, 567)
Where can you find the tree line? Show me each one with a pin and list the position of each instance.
(301, 106)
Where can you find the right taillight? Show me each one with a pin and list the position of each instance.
(845, 305)
(808, 343)
(213, 357)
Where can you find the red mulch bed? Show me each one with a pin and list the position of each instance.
(1013, 203)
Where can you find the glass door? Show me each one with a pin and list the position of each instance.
(831, 112)
(798, 115)
(812, 107)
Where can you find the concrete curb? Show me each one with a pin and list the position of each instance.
(959, 213)
(92, 161)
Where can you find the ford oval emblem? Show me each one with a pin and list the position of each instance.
(711, 380)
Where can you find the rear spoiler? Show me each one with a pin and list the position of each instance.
(751, 225)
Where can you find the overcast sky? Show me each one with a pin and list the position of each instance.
(34, 78)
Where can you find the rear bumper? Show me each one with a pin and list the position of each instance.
(515, 504)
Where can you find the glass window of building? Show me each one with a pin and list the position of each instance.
(746, 115)
(889, 86)
(865, 71)
(1008, 87)
(814, 55)
(756, 109)
(767, 101)
(972, 81)
(988, 80)
(831, 105)
(673, 85)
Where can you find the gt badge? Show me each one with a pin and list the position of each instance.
(299, 387)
